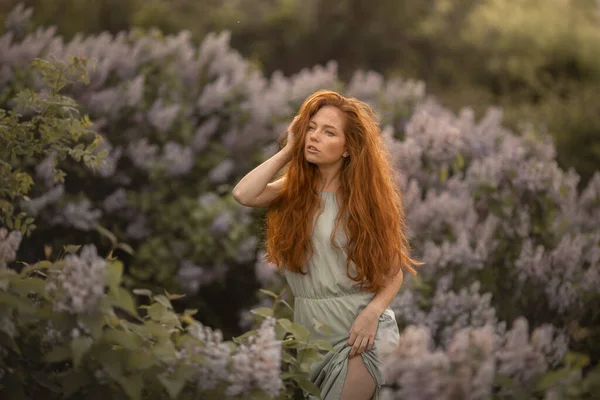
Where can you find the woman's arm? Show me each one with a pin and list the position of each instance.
(386, 294)
(251, 186)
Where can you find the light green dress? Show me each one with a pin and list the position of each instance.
(326, 294)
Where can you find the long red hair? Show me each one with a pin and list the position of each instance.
(369, 198)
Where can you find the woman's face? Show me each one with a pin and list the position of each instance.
(326, 134)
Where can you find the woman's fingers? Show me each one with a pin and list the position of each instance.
(359, 346)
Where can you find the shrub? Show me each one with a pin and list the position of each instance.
(67, 325)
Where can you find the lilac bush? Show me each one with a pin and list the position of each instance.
(82, 333)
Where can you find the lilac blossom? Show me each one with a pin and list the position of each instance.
(138, 229)
(162, 116)
(35, 205)
(221, 172)
(246, 249)
(143, 154)
(115, 201)
(204, 133)
(177, 159)
(257, 365)
(78, 287)
(9, 245)
(192, 277)
(79, 215)
(212, 348)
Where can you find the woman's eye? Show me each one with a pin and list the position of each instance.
(311, 127)
(330, 132)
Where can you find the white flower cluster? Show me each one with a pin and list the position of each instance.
(258, 364)
(192, 277)
(450, 311)
(80, 215)
(570, 272)
(246, 249)
(16, 20)
(178, 160)
(7, 325)
(222, 171)
(108, 165)
(9, 245)
(80, 284)
(266, 272)
(138, 228)
(34, 206)
(43, 170)
(52, 335)
(217, 354)
(467, 366)
(115, 201)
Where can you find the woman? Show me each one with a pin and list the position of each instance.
(338, 172)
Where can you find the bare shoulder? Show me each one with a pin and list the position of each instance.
(269, 194)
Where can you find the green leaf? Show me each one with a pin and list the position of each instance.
(108, 234)
(12, 301)
(285, 303)
(143, 292)
(263, 311)
(288, 358)
(444, 174)
(165, 350)
(58, 354)
(71, 248)
(113, 274)
(307, 357)
(190, 311)
(80, 346)
(553, 378)
(7, 341)
(128, 340)
(158, 312)
(162, 299)
(132, 385)
(299, 331)
(174, 383)
(241, 339)
(44, 264)
(321, 327)
(24, 286)
(140, 360)
(124, 300)
(576, 360)
(93, 322)
(126, 248)
(72, 381)
(174, 296)
(269, 293)
(309, 386)
(321, 345)
(460, 161)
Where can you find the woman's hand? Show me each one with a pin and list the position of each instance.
(362, 331)
(291, 135)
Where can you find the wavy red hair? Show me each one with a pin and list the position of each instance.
(375, 224)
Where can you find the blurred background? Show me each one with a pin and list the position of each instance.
(538, 59)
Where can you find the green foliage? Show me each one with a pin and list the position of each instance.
(299, 351)
(146, 351)
(43, 123)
